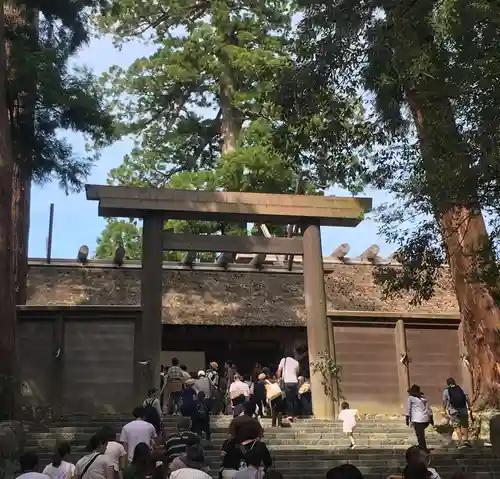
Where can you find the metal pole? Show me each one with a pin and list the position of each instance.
(51, 230)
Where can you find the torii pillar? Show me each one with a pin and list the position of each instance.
(317, 321)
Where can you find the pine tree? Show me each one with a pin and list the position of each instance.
(429, 73)
(201, 102)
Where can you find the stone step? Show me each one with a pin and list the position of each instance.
(217, 434)
(306, 450)
(73, 418)
(299, 426)
(319, 451)
(372, 456)
(373, 464)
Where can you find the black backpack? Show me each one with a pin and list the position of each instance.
(458, 399)
(151, 414)
(202, 410)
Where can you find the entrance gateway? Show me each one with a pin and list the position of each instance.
(155, 206)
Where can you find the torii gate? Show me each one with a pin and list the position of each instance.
(154, 206)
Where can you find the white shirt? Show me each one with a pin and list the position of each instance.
(97, 469)
(238, 388)
(348, 417)
(32, 475)
(65, 471)
(115, 451)
(289, 369)
(136, 432)
(188, 473)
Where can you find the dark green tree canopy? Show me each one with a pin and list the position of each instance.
(46, 96)
(367, 59)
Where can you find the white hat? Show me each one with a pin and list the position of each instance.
(201, 373)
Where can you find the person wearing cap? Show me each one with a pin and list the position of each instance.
(203, 384)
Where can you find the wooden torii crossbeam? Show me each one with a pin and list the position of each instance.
(154, 206)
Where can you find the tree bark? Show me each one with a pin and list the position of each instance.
(231, 121)
(9, 392)
(24, 22)
(21, 200)
(450, 184)
(464, 234)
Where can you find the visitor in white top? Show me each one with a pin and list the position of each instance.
(114, 450)
(288, 373)
(348, 417)
(95, 465)
(29, 466)
(239, 392)
(188, 473)
(59, 468)
(137, 431)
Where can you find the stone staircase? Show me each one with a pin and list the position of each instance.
(306, 450)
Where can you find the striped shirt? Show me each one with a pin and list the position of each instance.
(176, 443)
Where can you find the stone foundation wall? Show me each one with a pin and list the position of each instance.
(11, 447)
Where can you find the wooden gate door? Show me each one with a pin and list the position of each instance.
(433, 355)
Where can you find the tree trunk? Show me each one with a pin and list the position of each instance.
(24, 21)
(231, 121)
(9, 392)
(21, 196)
(464, 233)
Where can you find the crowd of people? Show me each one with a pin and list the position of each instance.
(146, 451)
(244, 455)
(273, 392)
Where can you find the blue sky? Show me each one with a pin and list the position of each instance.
(76, 221)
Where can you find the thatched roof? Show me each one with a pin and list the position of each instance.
(198, 297)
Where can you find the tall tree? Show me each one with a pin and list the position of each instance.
(8, 358)
(201, 102)
(431, 73)
(214, 57)
(45, 97)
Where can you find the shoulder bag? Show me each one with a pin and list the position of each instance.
(86, 468)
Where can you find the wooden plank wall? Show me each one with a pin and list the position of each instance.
(98, 366)
(82, 361)
(78, 361)
(36, 353)
(434, 356)
(367, 356)
(381, 358)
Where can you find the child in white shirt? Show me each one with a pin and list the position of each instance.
(348, 417)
